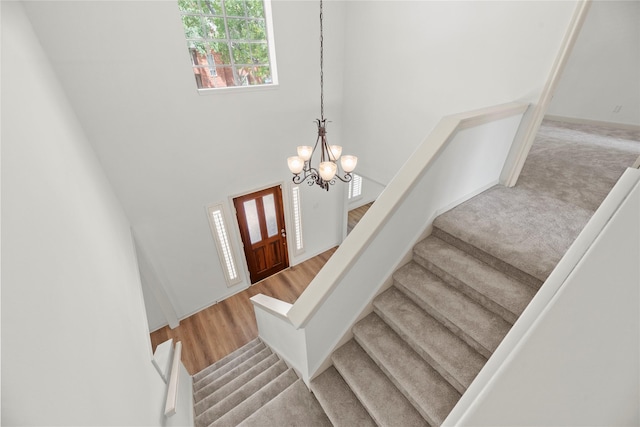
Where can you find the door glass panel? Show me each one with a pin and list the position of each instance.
(270, 214)
(251, 212)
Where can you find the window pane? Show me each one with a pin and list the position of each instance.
(213, 27)
(211, 7)
(220, 52)
(196, 51)
(192, 27)
(355, 186)
(226, 77)
(234, 7)
(256, 30)
(223, 244)
(270, 215)
(242, 53)
(237, 28)
(223, 241)
(260, 53)
(204, 79)
(255, 75)
(255, 8)
(297, 217)
(189, 6)
(251, 213)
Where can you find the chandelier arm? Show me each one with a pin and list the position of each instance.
(309, 172)
(348, 177)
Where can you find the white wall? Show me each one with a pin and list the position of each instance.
(409, 63)
(75, 345)
(170, 152)
(602, 72)
(579, 363)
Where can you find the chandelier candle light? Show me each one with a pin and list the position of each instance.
(327, 170)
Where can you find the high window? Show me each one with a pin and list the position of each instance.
(229, 42)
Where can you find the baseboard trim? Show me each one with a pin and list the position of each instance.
(581, 121)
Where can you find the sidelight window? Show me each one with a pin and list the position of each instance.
(220, 232)
(297, 218)
(355, 187)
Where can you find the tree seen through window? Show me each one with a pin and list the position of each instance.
(227, 41)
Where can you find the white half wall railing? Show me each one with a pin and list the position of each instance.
(172, 389)
(461, 157)
(573, 356)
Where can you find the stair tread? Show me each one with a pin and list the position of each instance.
(340, 404)
(295, 406)
(478, 276)
(258, 399)
(210, 385)
(430, 393)
(455, 360)
(237, 397)
(204, 401)
(227, 364)
(476, 325)
(384, 402)
(508, 225)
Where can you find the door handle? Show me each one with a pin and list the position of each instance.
(283, 233)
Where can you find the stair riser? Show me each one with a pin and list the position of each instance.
(451, 379)
(233, 375)
(433, 312)
(257, 400)
(227, 367)
(216, 395)
(338, 401)
(227, 359)
(496, 263)
(469, 291)
(240, 395)
(384, 402)
(406, 394)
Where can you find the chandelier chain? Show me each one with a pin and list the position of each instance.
(321, 67)
(327, 171)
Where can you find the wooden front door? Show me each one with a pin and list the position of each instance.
(261, 221)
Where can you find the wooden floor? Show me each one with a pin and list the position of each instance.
(355, 215)
(216, 331)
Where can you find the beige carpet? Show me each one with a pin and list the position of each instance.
(569, 171)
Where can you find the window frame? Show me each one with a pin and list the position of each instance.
(231, 251)
(268, 20)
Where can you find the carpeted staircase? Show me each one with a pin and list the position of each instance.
(428, 337)
(447, 311)
(250, 385)
(408, 363)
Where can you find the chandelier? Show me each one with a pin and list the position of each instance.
(327, 171)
